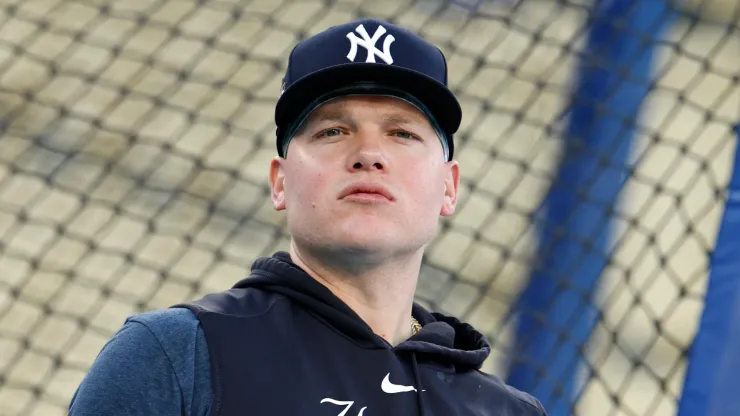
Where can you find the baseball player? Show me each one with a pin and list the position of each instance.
(364, 171)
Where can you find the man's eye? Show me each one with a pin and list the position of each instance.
(405, 135)
(330, 132)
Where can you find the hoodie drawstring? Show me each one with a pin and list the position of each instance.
(419, 387)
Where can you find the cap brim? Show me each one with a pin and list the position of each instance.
(438, 99)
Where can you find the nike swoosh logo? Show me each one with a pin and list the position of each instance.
(391, 388)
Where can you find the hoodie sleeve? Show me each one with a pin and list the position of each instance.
(156, 364)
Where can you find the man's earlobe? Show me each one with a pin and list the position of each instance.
(277, 183)
(452, 184)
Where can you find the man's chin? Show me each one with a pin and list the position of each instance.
(364, 243)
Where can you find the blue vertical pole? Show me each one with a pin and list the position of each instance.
(556, 313)
(711, 386)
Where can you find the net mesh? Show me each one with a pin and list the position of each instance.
(135, 143)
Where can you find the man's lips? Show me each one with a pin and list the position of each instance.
(366, 192)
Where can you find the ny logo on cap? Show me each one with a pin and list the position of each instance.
(368, 43)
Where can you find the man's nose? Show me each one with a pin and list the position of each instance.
(369, 153)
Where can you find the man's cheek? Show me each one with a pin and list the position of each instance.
(312, 194)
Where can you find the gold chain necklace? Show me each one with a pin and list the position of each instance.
(415, 326)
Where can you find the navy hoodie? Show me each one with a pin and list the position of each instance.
(280, 343)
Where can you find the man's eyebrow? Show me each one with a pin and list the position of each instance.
(338, 115)
(328, 115)
(396, 118)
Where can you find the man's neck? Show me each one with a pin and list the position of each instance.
(381, 294)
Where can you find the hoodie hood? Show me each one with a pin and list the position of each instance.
(443, 339)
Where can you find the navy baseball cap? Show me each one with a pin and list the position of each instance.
(366, 57)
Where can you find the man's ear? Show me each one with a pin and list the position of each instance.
(452, 183)
(277, 183)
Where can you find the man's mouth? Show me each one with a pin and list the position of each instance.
(368, 193)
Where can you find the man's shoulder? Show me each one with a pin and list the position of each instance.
(161, 348)
(526, 399)
(181, 337)
(166, 319)
(245, 301)
(172, 325)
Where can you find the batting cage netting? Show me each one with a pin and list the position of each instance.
(136, 137)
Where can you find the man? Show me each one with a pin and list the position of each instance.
(365, 124)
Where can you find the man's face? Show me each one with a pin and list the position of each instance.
(365, 174)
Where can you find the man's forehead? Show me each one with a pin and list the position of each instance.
(388, 108)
